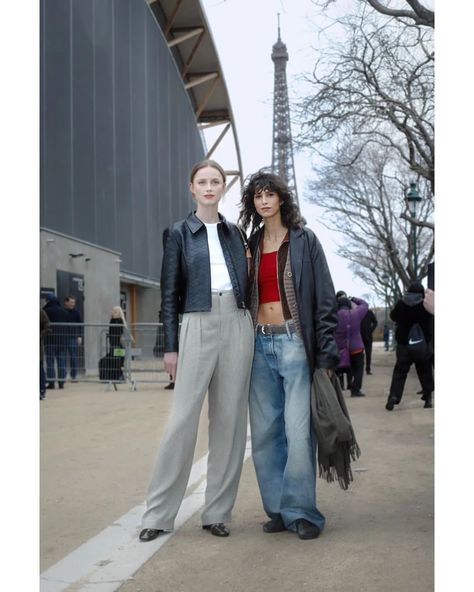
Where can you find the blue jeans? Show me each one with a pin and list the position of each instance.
(283, 443)
(58, 353)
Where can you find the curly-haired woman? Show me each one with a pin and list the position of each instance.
(293, 306)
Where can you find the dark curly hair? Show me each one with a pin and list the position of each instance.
(265, 180)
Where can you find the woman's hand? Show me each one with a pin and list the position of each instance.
(329, 372)
(170, 361)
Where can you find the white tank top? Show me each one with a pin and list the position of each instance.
(220, 279)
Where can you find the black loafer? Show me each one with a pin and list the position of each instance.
(306, 530)
(218, 529)
(274, 525)
(390, 404)
(149, 534)
(358, 394)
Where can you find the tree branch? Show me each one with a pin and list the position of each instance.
(416, 222)
(420, 15)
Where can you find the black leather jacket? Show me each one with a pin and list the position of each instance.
(315, 296)
(186, 271)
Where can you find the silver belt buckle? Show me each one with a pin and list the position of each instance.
(263, 330)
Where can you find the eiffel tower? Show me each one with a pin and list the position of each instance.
(282, 149)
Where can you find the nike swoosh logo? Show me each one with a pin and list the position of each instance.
(410, 342)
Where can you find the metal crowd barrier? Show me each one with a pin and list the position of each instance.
(146, 353)
(107, 353)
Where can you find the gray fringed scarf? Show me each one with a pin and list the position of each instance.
(337, 444)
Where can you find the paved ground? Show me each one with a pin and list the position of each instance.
(97, 451)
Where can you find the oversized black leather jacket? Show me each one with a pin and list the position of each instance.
(315, 295)
(186, 271)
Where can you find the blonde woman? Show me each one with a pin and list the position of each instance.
(117, 324)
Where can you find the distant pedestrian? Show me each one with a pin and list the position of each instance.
(386, 336)
(117, 324)
(44, 330)
(74, 335)
(344, 368)
(118, 337)
(408, 311)
(350, 313)
(367, 327)
(56, 342)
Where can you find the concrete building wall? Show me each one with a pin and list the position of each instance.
(148, 307)
(118, 130)
(99, 267)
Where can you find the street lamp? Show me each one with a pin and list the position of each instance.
(412, 198)
(385, 279)
(386, 330)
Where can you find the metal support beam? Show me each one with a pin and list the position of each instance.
(172, 17)
(236, 178)
(203, 126)
(187, 65)
(192, 32)
(203, 104)
(200, 79)
(216, 116)
(218, 141)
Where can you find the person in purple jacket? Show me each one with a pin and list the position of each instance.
(350, 313)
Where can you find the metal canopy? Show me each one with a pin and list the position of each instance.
(186, 29)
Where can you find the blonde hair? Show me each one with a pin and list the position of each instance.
(118, 312)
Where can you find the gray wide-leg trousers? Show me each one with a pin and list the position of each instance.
(215, 356)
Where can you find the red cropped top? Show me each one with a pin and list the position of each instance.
(267, 278)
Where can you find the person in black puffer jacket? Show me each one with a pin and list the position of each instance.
(408, 311)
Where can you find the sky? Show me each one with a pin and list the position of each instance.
(244, 32)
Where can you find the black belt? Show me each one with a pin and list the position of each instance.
(269, 329)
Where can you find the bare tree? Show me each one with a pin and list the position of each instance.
(365, 201)
(369, 113)
(416, 12)
(419, 14)
(378, 85)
